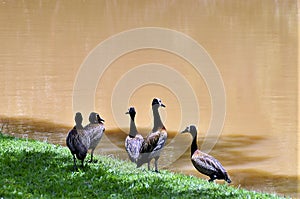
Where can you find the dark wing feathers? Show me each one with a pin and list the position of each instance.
(207, 164)
(151, 147)
(75, 144)
(150, 143)
(161, 141)
(70, 140)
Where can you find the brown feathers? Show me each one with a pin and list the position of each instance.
(150, 142)
(151, 148)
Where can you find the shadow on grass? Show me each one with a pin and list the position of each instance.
(30, 172)
(32, 169)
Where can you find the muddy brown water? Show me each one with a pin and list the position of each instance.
(253, 44)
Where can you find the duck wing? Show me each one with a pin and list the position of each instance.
(90, 130)
(161, 140)
(95, 133)
(153, 144)
(150, 143)
(76, 145)
(147, 147)
(84, 138)
(70, 140)
(206, 164)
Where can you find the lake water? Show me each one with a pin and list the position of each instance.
(251, 47)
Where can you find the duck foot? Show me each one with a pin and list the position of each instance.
(75, 169)
(211, 180)
(156, 171)
(93, 161)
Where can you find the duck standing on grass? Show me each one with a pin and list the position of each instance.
(94, 130)
(77, 141)
(156, 140)
(203, 162)
(133, 141)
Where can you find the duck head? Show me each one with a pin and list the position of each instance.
(156, 102)
(94, 118)
(99, 119)
(190, 129)
(131, 111)
(78, 118)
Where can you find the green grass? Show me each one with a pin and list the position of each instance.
(33, 169)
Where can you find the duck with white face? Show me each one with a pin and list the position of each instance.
(133, 141)
(203, 162)
(155, 141)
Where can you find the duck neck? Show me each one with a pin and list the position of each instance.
(194, 146)
(157, 120)
(79, 126)
(133, 130)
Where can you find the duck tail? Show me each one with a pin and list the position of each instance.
(227, 179)
(81, 154)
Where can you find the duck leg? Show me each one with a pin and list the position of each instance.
(92, 155)
(212, 178)
(155, 164)
(91, 160)
(74, 159)
(149, 166)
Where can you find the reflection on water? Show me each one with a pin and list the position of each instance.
(35, 129)
(234, 151)
(258, 180)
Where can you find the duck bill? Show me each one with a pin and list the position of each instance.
(127, 112)
(185, 130)
(100, 119)
(163, 105)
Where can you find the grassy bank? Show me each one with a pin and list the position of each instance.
(32, 169)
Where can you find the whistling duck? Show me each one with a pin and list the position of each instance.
(133, 141)
(76, 141)
(94, 130)
(203, 162)
(155, 141)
